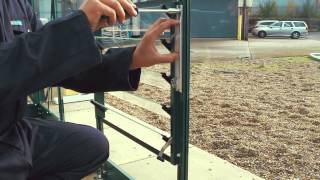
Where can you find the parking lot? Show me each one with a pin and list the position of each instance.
(281, 46)
(255, 47)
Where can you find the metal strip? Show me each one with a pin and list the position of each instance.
(103, 108)
(61, 105)
(135, 139)
(169, 11)
(99, 112)
(155, 3)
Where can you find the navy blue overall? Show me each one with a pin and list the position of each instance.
(32, 57)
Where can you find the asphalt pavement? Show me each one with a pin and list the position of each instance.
(206, 49)
(282, 46)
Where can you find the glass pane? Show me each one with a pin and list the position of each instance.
(255, 102)
(145, 103)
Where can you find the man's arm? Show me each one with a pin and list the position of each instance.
(113, 74)
(35, 60)
(120, 67)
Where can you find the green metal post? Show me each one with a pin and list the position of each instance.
(53, 9)
(61, 105)
(100, 115)
(38, 97)
(175, 110)
(183, 163)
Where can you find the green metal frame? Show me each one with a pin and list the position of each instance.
(183, 130)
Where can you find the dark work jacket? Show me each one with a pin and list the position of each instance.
(63, 53)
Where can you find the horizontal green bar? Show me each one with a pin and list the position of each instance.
(156, 3)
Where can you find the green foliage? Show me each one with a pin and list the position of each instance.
(268, 9)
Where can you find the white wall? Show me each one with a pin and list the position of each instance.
(249, 3)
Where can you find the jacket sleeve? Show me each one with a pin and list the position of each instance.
(36, 60)
(112, 75)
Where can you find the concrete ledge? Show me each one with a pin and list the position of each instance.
(142, 164)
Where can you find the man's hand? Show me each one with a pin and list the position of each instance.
(115, 10)
(146, 53)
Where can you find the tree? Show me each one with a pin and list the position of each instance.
(318, 7)
(309, 10)
(291, 8)
(268, 9)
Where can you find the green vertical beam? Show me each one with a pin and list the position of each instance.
(38, 97)
(176, 122)
(61, 105)
(183, 163)
(180, 95)
(53, 9)
(175, 111)
(100, 114)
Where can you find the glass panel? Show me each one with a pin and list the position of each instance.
(256, 102)
(150, 105)
(144, 104)
(46, 8)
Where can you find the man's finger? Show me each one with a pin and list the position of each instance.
(160, 28)
(103, 23)
(167, 58)
(117, 7)
(158, 21)
(166, 25)
(110, 13)
(129, 7)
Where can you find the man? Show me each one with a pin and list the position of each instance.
(62, 53)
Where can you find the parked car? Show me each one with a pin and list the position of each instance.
(262, 24)
(293, 29)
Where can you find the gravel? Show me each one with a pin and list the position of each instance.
(262, 115)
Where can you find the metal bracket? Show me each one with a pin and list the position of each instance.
(166, 108)
(99, 106)
(164, 9)
(165, 138)
(170, 15)
(163, 149)
(166, 44)
(166, 77)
